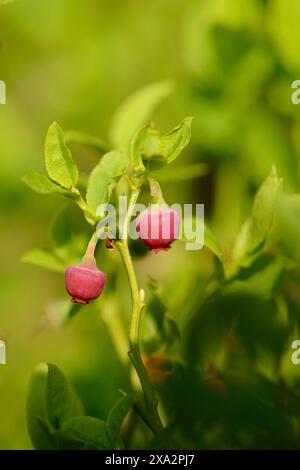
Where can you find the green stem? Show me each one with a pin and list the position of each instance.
(151, 401)
(83, 206)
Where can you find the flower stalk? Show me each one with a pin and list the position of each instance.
(151, 401)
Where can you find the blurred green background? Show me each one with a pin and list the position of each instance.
(233, 63)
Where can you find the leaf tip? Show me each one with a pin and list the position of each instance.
(41, 369)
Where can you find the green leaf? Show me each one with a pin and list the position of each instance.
(42, 184)
(61, 229)
(35, 410)
(166, 325)
(116, 417)
(261, 278)
(58, 159)
(255, 231)
(136, 111)
(104, 177)
(264, 209)
(176, 140)
(283, 30)
(61, 402)
(257, 266)
(212, 243)
(151, 151)
(89, 430)
(210, 240)
(161, 441)
(64, 441)
(156, 306)
(172, 329)
(287, 225)
(44, 259)
(87, 139)
(145, 143)
(183, 173)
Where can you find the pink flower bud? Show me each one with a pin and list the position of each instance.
(85, 282)
(158, 228)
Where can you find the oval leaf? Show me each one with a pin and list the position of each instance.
(263, 209)
(254, 232)
(144, 145)
(209, 240)
(116, 417)
(61, 403)
(136, 111)
(104, 177)
(91, 431)
(35, 410)
(151, 151)
(176, 140)
(42, 184)
(44, 259)
(59, 163)
(212, 243)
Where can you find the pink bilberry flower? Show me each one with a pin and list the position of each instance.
(158, 228)
(85, 282)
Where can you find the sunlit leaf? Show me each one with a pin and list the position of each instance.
(283, 21)
(211, 242)
(150, 150)
(172, 144)
(287, 225)
(44, 259)
(263, 209)
(144, 145)
(42, 184)
(256, 230)
(209, 239)
(104, 177)
(58, 159)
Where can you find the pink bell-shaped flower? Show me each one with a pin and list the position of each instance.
(85, 282)
(158, 228)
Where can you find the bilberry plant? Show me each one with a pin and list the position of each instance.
(129, 161)
(127, 167)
